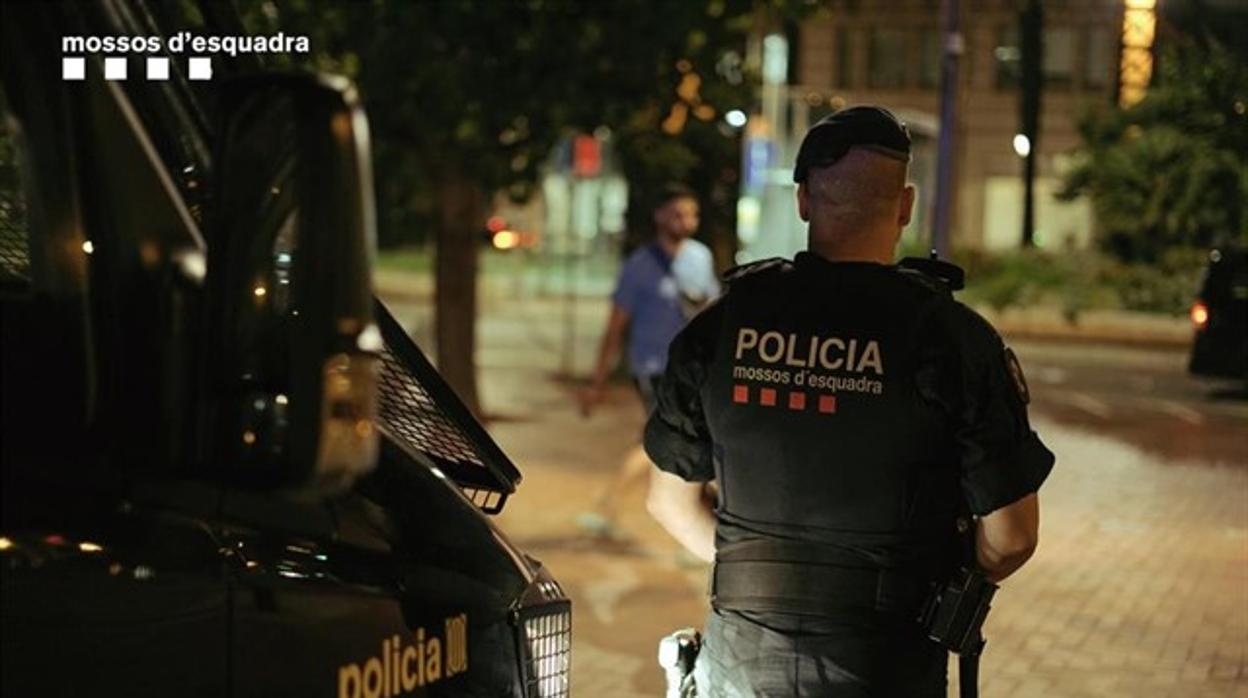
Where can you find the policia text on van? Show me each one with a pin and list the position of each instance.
(227, 471)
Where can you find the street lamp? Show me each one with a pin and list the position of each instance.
(1022, 145)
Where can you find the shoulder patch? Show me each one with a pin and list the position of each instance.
(743, 270)
(1016, 375)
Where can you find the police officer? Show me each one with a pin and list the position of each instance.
(851, 413)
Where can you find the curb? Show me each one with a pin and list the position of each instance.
(1121, 327)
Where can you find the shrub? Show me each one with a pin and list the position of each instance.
(1019, 278)
(1166, 287)
(1079, 280)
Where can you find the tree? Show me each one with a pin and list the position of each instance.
(466, 99)
(1172, 170)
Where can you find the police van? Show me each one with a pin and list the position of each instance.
(227, 470)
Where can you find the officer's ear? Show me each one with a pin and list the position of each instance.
(906, 211)
(803, 202)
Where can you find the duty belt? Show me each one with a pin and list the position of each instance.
(791, 578)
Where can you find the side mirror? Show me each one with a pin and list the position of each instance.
(292, 361)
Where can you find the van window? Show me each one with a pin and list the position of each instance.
(177, 113)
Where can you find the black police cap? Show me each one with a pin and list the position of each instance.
(873, 128)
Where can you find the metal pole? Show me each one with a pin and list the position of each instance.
(568, 362)
(1032, 82)
(954, 46)
(1029, 197)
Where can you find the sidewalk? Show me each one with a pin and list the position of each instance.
(1140, 586)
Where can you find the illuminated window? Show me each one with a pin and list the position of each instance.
(1139, 25)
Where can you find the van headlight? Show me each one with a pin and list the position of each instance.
(546, 649)
(543, 621)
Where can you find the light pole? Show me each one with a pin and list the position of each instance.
(954, 46)
(1031, 34)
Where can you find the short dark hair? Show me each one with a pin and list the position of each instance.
(673, 191)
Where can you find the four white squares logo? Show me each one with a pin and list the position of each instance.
(199, 68)
(158, 68)
(114, 68)
(117, 68)
(73, 68)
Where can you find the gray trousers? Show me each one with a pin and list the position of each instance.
(756, 654)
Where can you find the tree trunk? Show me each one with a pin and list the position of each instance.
(461, 207)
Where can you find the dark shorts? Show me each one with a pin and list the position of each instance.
(788, 655)
(647, 390)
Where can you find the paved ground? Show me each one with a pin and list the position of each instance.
(1140, 586)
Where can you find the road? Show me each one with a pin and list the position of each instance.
(1142, 397)
(1139, 588)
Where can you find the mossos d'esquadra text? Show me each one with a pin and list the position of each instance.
(185, 42)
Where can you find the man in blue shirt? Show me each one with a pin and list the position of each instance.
(661, 285)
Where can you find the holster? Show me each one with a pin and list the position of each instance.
(677, 654)
(954, 618)
(954, 614)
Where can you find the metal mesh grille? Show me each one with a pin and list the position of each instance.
(14, 228)
(548, 638)
(409, 411)
(421, 412)
(489, 500)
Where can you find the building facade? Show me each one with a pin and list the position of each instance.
(889, 52)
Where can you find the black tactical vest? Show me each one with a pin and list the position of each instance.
(820, 414)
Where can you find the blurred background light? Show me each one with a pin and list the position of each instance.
(1022, 145)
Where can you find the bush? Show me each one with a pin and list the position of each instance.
(1021, 278)
(1079, 280)
(1166, 287)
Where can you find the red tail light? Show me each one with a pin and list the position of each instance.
(1200, 315)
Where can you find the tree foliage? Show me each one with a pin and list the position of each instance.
(488, 86)
(467, 97)
(1172, 170)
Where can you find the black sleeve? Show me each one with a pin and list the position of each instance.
(1001, 458)
(677, 437)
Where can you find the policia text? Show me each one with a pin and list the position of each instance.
(789, 359)
(407, 663)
